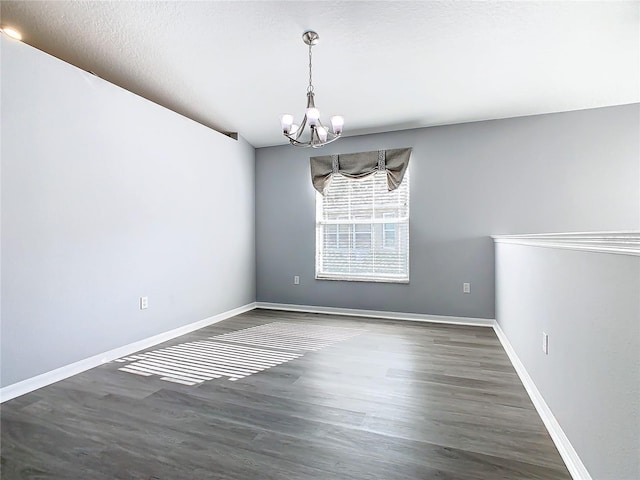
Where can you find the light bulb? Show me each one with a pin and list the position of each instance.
(322, 134)
(286, 121)
(313, 115)
(337, 122)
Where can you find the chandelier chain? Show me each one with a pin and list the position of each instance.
(310, 87)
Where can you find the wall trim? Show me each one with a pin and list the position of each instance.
(620, 242)
(571, 459)
(30, 384)
(353, 312)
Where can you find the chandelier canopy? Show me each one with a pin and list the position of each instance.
(318, 135)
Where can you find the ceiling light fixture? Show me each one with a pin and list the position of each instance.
(319, 134)
(11, 32)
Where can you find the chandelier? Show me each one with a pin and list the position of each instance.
(318, 134)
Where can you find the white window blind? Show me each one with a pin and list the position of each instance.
(362, 230)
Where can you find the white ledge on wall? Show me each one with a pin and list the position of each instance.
(621, 243)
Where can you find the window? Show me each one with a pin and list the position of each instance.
(362, 230)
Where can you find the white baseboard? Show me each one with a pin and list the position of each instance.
(575, 466)
(29, 385)
(352, 312)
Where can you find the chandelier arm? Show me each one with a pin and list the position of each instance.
(298, 143)
(301, 128)
(325, 143)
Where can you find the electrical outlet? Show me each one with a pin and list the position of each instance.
(466, 288)
(545, 343)
(296, 280)
(144, 303)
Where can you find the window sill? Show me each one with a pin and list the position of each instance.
(363, 279)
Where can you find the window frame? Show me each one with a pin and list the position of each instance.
(383, 221)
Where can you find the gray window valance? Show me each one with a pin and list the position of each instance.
(358, 165)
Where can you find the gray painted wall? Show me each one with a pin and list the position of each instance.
(107, 197)
(574, 171)
(589, 304)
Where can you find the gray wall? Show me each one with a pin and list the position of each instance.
(107, 197)
(589, 304)
(574, 171)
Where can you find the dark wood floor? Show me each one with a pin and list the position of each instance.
(397, 401)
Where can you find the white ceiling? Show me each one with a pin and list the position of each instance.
(237, 66)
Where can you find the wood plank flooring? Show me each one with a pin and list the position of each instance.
(393, 401)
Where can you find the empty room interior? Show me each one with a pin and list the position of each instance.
(320, 240)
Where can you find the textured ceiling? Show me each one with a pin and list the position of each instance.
(237, 66)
